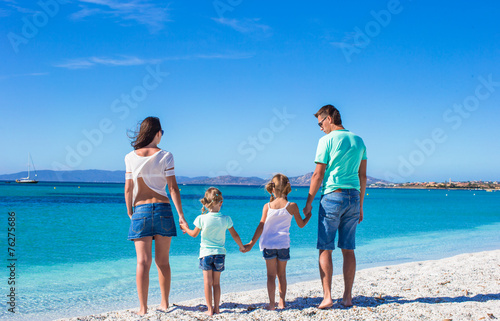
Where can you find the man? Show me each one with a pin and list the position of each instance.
(341, 174)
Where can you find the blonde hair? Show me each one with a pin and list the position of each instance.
(281, 184)
(212, 195)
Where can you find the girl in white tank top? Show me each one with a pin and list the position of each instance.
(274, 233)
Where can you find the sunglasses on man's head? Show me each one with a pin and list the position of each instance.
(320, 124)
(162, 132)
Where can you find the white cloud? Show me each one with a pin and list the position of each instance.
(31, 74)
(83, 63)
(140, 11)
(245, 26)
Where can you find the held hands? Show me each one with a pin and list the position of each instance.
(247, 247)
(184, 226)
(307, 210)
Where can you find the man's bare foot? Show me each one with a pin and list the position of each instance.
(346, 304)
(271, 307)
(346, 301)
(325, 304)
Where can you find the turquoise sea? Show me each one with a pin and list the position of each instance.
(72, 256)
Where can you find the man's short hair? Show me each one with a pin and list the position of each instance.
(329, 110)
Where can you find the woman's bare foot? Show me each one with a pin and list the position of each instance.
(326, 303)
(162, 308)
(271, 307)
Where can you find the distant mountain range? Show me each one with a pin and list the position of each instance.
(102, 176)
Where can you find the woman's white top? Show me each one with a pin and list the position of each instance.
(153, 169)
(276, 233)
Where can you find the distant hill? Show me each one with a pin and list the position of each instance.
(102, 176)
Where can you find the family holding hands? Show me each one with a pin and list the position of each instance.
(273, 231)
(340, 172)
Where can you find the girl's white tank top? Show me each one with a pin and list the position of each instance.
(276, 233)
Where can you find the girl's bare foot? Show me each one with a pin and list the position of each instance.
(141, 312)
(326, 303)
(209, 312)
(216, 311)
(281, 305)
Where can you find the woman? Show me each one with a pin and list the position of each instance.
(148, 171)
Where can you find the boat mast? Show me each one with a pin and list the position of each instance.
(36, 174)
(29, 157)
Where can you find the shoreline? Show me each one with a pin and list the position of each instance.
(462, 287)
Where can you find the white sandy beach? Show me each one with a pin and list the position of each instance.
(463, 287)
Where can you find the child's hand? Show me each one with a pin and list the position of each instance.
(184, 227)
(248, 247)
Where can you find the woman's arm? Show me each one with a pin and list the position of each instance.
(294, 210)
(236, 238)
(176, 197)
(129, 190)
(258, 231)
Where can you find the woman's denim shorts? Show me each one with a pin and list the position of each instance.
(152, 219)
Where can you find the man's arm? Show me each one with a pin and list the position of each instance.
(316, 181)
(362, 183)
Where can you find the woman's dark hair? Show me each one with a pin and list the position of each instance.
(329, 110)
(147, 131)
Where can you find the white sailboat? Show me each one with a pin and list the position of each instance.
(28, 180)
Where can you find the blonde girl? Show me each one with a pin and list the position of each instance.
(274, 233)
(213, 225)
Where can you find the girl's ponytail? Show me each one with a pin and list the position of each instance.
(281, 185)
(212, 195)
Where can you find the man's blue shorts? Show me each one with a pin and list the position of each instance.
(338, 211)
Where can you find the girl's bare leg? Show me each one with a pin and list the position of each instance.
(208, 283)
(162, 250)
(282, 283)
(216, 286)
(144, 259)
(272, 270)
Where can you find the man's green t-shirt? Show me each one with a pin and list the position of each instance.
(342, 152)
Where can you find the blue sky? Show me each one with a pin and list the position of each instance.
(235, 84)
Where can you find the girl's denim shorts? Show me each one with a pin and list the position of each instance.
(152, 219)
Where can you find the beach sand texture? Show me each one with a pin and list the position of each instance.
(463, 287)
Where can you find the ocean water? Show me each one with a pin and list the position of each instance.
(73, 257)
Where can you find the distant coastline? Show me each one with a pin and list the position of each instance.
(104, 176)
(118, 177)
